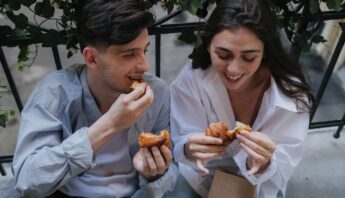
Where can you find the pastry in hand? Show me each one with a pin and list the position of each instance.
(220, 130)
(136, 82)
(239, 127)
(147, 139)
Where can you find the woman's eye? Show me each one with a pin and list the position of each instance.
(223, 55)
(249, 59)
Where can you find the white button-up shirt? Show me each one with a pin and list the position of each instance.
(198, 98)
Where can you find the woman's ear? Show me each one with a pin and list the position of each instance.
(90, 55)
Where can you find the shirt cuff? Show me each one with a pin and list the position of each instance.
(160, 186)
(179, 153)
(78, 151)
(258, 178)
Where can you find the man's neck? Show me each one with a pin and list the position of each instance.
(103, 97)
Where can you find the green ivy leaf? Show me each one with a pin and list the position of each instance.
(28, 2)
(4, 115)
(314, 6)
(334, 5)
(3, 120)
(21, 21)
(318, 39)
(53, 38)
(14, 4)
(44, 9)
(188, 37)
(342, 26)
(35, 32)
(191, 5)
(19, 33)
(5, 31)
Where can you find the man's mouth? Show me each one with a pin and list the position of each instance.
(138, 78)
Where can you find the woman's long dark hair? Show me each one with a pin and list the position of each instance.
(257, 16)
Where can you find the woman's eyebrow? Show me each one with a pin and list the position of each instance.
(250, 51)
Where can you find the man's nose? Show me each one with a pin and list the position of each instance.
(143, 63)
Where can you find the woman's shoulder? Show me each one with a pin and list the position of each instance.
(189, 75)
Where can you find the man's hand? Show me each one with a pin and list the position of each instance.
(128, 108)
(203, 148)
(260, 149)
(152, 163)
(123, 113)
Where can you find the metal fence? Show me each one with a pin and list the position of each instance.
(160, 28)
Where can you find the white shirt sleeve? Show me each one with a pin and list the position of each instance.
(185, 101)
(288, 132)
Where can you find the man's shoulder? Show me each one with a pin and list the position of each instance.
(63, 76)
(57, 87)
(155, 82)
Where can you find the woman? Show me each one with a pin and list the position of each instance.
(241, 73)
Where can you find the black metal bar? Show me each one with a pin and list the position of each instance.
(174, 28)
(6, 159)
(2, 170)
(328, 73)
(57, 58)
(10, 80)
(158, 54)
(340, 128)
(166, 18)
(332, 15)
(324, 124)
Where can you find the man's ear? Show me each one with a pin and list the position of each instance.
(90, 55)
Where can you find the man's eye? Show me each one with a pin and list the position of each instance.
(129, 54)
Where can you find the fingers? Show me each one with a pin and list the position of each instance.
(201, 166)
(201, 138)
(206, 148)
(137, 92)
(254, 170)
(254, 155)
(151, 162)
(255, 147)
(159, 160)
(145, 166)
(260, 139)
(166, 154)
(205, 156)
(145, 100)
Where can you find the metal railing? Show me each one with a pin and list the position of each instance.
(157, 30)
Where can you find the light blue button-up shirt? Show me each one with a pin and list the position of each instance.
(54, 153)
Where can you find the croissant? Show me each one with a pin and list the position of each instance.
(137, 82)
(220, 130)
(147, 139)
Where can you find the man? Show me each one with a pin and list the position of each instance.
(79, 129)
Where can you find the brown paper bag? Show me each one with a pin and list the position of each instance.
(232, 186)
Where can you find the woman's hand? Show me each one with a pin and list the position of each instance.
(260, 149)
(203, 148)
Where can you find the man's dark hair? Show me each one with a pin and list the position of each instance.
(257, 16)
(101, 23)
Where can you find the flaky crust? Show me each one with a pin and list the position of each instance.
(147, 139)
(220, 130)
(136, 83)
